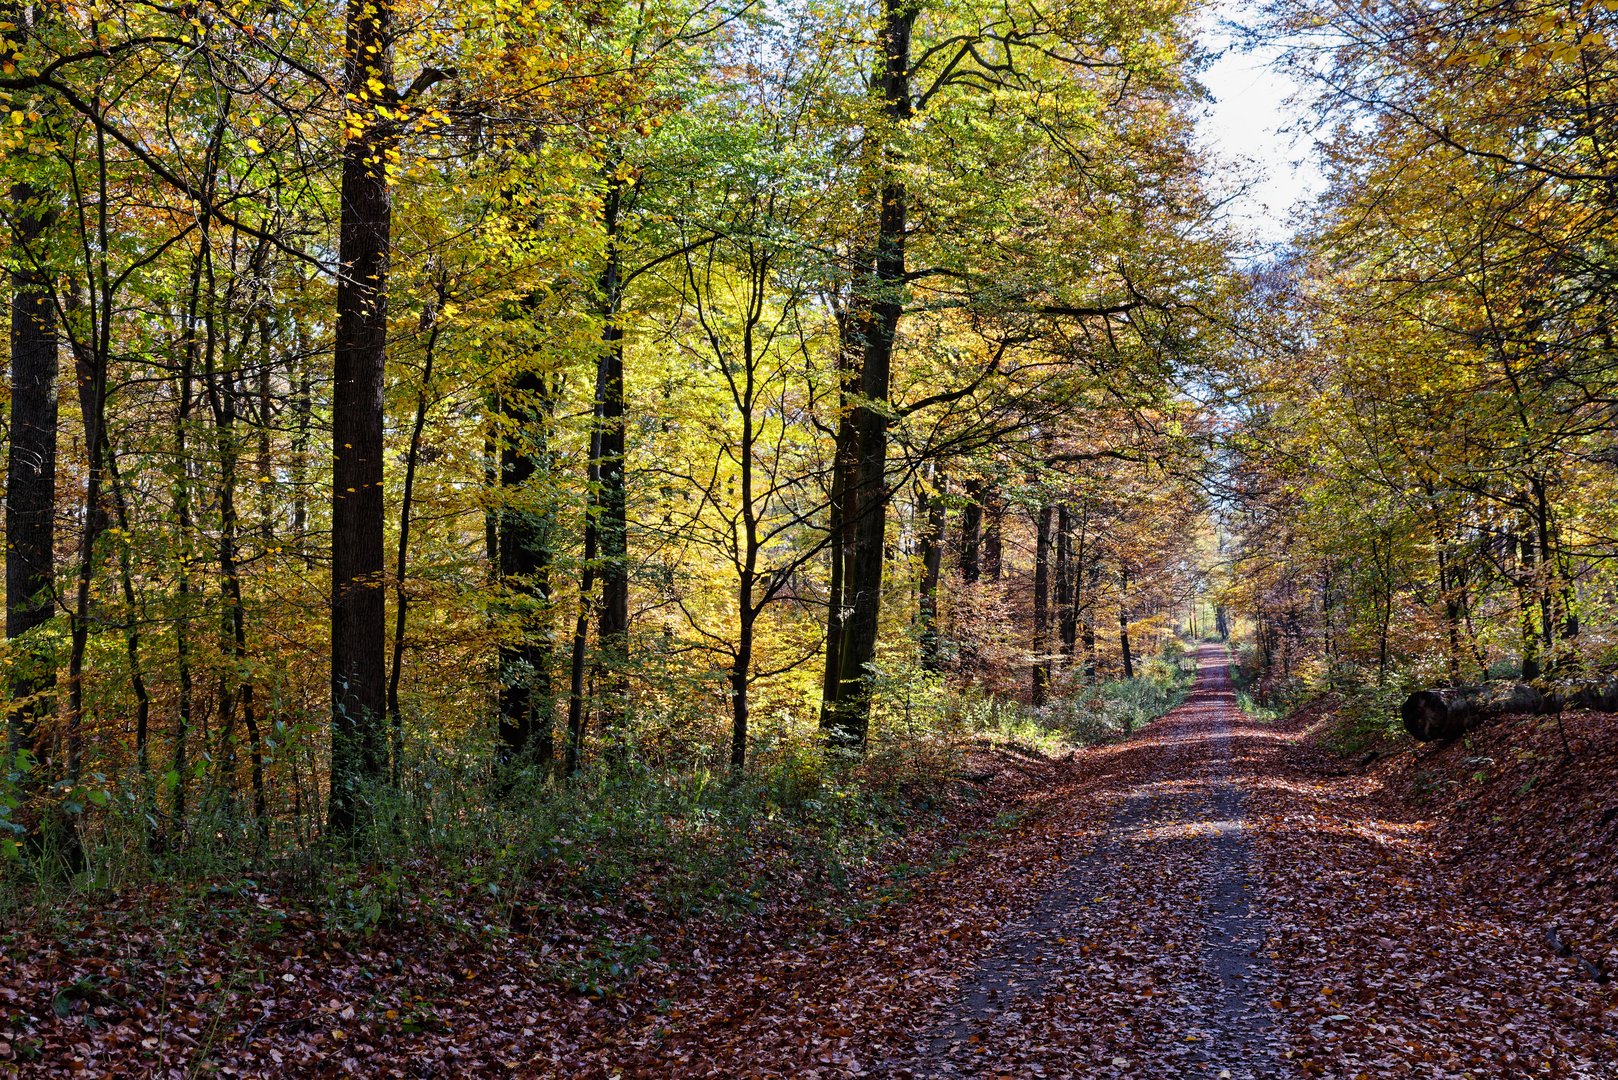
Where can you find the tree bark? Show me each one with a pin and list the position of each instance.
(358, 634)
(930, 508)
(840, 511)
(1067, 591)
(1527, 608)
(1123, 622)
(972, 532)
(849, 720)
(612, 630)
(1437, 715)
(401, 594)
(1042, 615)
(30, 475)
(527, 532)
(994, 515)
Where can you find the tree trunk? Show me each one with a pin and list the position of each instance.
(302, 406)
(401, 595)
(358, 635)
(1434, 715)
(1066, 585)
(841, 513)
(527, 533)
(930, 507)
(971, 532)
(1123, 622)
(994, 514)
(587, 577)
(30, 477)
(1528, 615)
(132, 638)
(740, 676)
(612, 630)
(236, 688)
(849, 721)
(1042, 613)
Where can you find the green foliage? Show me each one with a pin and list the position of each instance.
(1085, 715)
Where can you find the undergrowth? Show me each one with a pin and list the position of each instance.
(1079, 715)
(485, 855)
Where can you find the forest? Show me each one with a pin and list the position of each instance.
(614, 491)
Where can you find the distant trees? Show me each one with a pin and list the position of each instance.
(1428, 486)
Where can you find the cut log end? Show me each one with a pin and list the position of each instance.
(1426, 716)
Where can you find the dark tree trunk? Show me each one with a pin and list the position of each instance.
(302, 406)
(1066, 584)
(1123, 623)
(841, 511)
(612, 630)
(132, 640)
(401, 594)
(236, 689)
(1434, 715)
(849, 720)
(1527, 607)
(190, 350)
(574, 756)
(994, 515)
(1042, 612)
(30, 475)
(741, 675)
(359, 751)
(930, 507)
(971, 532)
(527, 533)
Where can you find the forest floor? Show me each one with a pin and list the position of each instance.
(1215, 896)
(1225, 898)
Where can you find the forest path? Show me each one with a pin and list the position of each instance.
(1160, 902)
(1215, 897)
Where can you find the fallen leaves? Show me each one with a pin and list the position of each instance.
(1212, 898)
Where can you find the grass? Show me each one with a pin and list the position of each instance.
(1085, 716)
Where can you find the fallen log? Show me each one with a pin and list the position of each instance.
(1431, 715)
(1434, 715)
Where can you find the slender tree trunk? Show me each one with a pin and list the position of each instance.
(190, 349)
(581, 626)
(132, 637)
(1088, 634)
(1042, 611)
(1123, 623)
(1527, 606)
(741, 674)
(401, 594)
(358, 636)
(1066, 585)
(1452, 605)
(266, 498)
(302, 407)
(91, 363)
(842, 510)
(236, 686)
(931, 510)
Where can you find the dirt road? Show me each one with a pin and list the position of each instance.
(1209, 898)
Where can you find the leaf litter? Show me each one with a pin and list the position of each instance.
(1213, 897)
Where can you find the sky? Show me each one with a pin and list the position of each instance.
(1276, 170)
